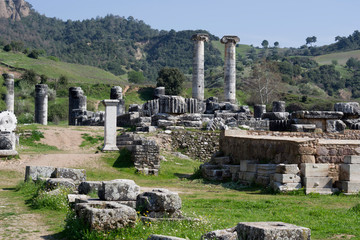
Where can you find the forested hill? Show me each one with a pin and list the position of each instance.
(113, 43)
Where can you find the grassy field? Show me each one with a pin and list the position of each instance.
(218, 205)
(54, 69)
(340, 57)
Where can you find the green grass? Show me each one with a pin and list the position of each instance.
(54, 69)
(138, 95)
(340, 57)
(30, 142)
(91, 140)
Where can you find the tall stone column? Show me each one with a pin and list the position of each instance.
(230, 67)
(9, 98)
(116, 93)
(110, 125)
(77, 100)
(198, 66)
(41, 104)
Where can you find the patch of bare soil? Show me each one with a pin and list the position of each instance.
(15, 222)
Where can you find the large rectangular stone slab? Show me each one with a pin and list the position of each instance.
(318, 182)
(287, 178)
(353, 159)
(315, 169)
(349, 172)
(350, 187)
(271, 230)
(35, 172)
(119, 190)
(244, 165)
(77, 175)
(287, 169)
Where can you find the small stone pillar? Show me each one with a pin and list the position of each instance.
(110, 125)
(259, 110)
(230, 67)
(41, 104)
(116, 93)
(9, 98)
(159, 91)
(278, 106)
(77, 101)
(198, 66)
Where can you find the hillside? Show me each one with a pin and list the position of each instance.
(340, 57)
(113, 43)
(53, 69)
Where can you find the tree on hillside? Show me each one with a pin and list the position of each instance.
(311, 40)
(265, 44)
(276, 44)
(29, 76)
(136, 77)
(264, 83)
(172, 79)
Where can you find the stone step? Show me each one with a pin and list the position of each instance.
(318, 182)
(287, 178)
(322, 191)
(349, 187)
(221, 160)
(285, 187)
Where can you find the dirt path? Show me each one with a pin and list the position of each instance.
(15, 220)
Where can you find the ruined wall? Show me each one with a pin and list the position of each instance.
(288, 147)
(199, 145)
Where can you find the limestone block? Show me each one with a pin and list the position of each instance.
(350, 187)
(353, 159)
(266, 169)
(162, 237)
(287, 178)
(53, 183)
(244, 165)
(349, 172)
(195, 124)
(106, 216)
(225, 234)
(303, 127)
(318, 182)
(348, 108)
(275, 115)
(271, 230)
(72, 198)
(165, 123)
(285, 187)
(321, 191)
(317, 115)
(287, 169)
(334, 126)
(234, 169)
(89, 186)
(159, 203)
(35, 172)
(262, 180)
(315, 169)
(306, 150)
(119, 190)
(77, 175)
(252, 167)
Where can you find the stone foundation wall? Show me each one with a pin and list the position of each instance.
(289, 148)
(200, 145)
(347, 135)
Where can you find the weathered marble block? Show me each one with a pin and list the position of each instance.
(35, 172)
(119, 190)
(224, 234)
(77, 175)
(315, 169)
(271, 230)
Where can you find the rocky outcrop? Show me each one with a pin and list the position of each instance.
(14, 9)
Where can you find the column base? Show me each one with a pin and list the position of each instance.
(110, 148)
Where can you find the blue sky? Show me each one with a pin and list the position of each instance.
(287, 21)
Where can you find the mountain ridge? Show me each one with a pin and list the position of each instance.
(14, 9)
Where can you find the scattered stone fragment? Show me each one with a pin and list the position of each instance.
(119, 190)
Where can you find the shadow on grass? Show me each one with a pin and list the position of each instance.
(124, 160)
(8, 189)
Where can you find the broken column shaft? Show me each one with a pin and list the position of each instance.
(77, 100)
(198, 66)
(41, 104)
(9, 98)
(116, 93)
(230, 67)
